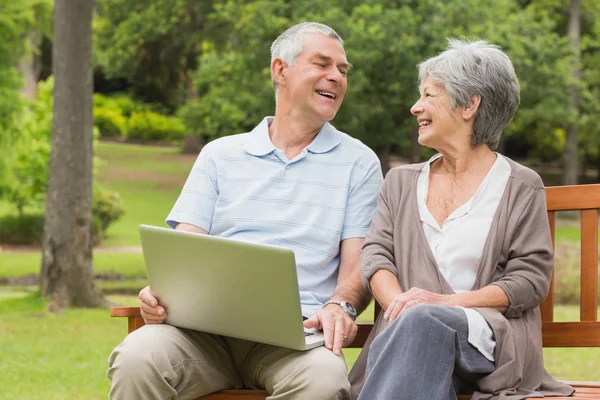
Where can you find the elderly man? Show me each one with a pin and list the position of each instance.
(293, 181)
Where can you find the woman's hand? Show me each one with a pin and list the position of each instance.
(411, 298)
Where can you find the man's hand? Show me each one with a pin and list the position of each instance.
(151, 311)
(411, 298)
(338, 328)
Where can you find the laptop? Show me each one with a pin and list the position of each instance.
(227, 287)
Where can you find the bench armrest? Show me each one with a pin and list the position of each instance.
(134, 318)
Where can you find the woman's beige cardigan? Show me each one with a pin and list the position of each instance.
(517, 257)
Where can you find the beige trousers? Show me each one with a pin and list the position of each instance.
(164, 362)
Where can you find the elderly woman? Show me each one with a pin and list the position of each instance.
(459, 254)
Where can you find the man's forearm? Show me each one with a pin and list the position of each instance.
(352, 291)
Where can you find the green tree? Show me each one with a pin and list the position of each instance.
(155, 44)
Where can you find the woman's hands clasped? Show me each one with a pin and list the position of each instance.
(402, 302)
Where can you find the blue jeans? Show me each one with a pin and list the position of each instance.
(424, 354)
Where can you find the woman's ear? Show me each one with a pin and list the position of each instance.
(278, 68)
(470, 111)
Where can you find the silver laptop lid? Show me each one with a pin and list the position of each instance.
(227, 287)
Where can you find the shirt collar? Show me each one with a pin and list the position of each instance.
(259, 143)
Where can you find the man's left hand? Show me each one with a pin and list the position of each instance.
(338, 328)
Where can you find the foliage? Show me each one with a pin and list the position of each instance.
(16, 20)
(156, 44)
(148, 125)
(110, 122)
(28, 229)
(225, 108)
(26, 160)
(107, 207)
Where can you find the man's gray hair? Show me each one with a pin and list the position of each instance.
(289, 44)
(471, 68)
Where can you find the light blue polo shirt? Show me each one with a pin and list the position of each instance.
(242, 187)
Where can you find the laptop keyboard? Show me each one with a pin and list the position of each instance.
(308, 333)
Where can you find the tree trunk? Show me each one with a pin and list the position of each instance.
(383, 152)
(66, 273)
(415, 147)
(571, 156)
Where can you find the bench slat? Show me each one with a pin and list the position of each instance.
(571, 334)
(579, 197)
(589, 265)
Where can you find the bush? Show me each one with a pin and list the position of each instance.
(148, 125)
(28, 229)
(110, 122)
(24, 229)
(122, 103)
(107, 208)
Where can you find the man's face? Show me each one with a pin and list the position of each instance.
(315, 86)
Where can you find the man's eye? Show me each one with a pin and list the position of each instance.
(343, 72)
(321, 65)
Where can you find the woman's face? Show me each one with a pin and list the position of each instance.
(438, 123)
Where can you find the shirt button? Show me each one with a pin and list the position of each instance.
(368, 267)
(287, 167)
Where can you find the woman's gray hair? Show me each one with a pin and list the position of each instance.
(289, 44)
(477, 68)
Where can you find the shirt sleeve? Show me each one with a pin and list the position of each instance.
(526, 278)
(196, 203)
(362, 202)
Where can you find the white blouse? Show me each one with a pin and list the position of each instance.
(458, 244)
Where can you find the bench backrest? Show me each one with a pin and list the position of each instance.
(586, 332)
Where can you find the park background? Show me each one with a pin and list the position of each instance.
(171, 75)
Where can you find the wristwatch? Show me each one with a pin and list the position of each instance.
(347, 307)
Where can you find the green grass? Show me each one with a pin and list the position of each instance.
(52, 357)
(46, 356)
(148, 179)
(128, 265)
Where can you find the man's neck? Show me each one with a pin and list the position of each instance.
(291, 135)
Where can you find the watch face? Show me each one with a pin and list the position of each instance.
(349, 307)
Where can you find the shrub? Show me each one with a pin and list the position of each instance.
(122, 103)
(107, 208)
(28, 229)
(148, 125)
(22, 229)
(110, 122)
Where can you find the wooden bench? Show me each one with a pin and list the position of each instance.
(585, 333)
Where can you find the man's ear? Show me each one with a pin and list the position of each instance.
(471, 110)
(278, 71)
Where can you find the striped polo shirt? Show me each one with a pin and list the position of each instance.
(242, 187)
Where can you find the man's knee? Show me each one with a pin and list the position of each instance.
(139, 353)
(327, 376)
